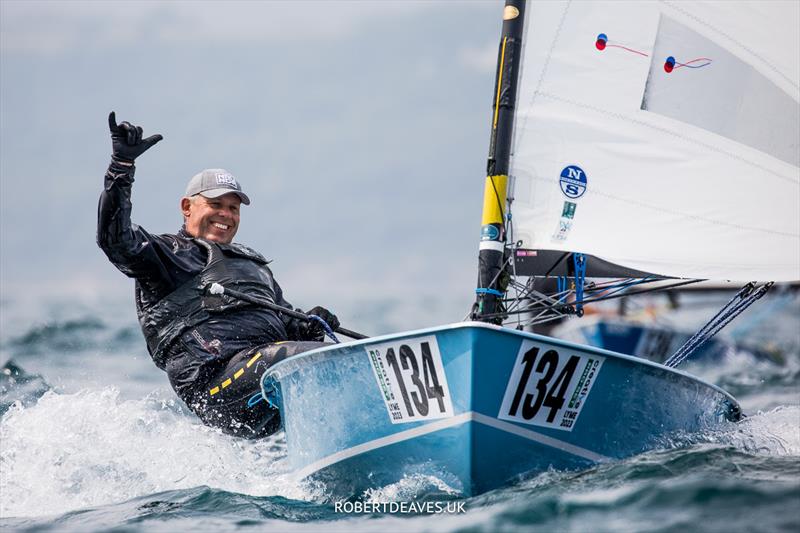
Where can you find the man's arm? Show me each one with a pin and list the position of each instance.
(130, 248)
(304, 330)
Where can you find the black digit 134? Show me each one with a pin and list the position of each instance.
(429, 389)
(552, 396)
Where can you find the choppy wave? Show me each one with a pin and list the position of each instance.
(703, 488)
(90, 448)
(69, 336)
(77, 453)
(20, 387)
(413, 487)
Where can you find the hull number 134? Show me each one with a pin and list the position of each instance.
(549, 386)
(411, 379)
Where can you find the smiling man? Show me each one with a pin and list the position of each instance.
(211, 205)
(214, 348)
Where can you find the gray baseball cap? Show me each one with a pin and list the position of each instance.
(213, 183)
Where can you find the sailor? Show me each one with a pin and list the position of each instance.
(213, 347)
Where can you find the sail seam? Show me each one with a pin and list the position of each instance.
(673, 212)
(711, 147)
(522, 128)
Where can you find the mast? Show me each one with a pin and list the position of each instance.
(492, 279)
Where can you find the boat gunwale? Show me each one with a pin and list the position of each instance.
(292, 364)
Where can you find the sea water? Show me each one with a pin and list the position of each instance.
(93, 439)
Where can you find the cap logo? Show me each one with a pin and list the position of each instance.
(223, 178)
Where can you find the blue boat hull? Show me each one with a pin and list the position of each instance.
(477, 406)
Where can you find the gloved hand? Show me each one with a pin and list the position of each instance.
(126, 140)
(314, 330)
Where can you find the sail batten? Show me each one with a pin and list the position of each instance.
(661, 137)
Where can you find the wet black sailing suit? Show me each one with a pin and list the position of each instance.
(213, 348)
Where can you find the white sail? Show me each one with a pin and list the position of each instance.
(684, 167)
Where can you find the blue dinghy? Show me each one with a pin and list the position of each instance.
(632, 164)
(476, 405)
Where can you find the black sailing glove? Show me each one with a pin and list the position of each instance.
(126, 140)
(312, 330)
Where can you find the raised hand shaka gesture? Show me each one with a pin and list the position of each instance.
(126, 140)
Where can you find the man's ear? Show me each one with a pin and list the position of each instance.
(185, 203)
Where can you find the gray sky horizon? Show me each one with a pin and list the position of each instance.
(359, 130)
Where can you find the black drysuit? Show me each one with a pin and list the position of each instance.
(217, 351)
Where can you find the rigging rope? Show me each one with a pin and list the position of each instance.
(254, 399)
(741, 301)
(325, 326)
(554, 305)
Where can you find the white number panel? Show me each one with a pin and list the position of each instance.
(549, 386)
(412, 379)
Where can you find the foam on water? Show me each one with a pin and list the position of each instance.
(87, 449)
(774, 433)
(131, 456)
(71, 451)
(411, 487)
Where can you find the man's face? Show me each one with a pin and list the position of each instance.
(213, 219)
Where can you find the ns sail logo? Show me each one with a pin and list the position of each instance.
(573, 181)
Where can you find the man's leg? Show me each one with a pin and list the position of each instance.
(226, 400)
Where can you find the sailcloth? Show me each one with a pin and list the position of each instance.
(662, 136)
